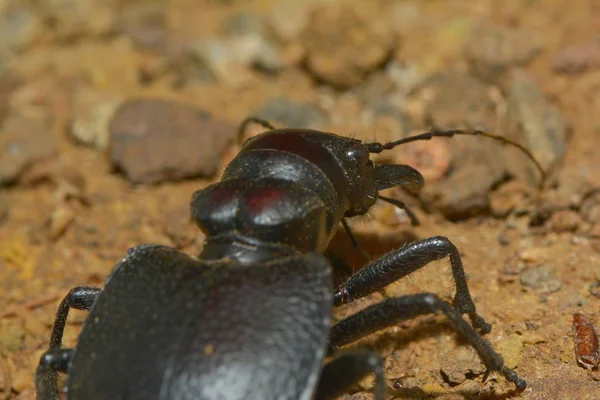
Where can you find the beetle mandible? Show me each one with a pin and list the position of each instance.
(250, 317)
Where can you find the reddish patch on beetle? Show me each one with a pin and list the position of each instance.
(587, 349)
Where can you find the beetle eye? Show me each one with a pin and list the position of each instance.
(358, 153)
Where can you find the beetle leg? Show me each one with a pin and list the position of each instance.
(346, 369)
(400, 262)
(354, 240)
(55, 360)
(394, 310)
(81, 298)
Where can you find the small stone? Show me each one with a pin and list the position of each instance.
(513, 266)
(343, 45)
(577, 58)
(91, 114)
(541, 279)
(492, 50)
(73, 18)
(228, 59)
(8, 84)
(156, 140)
(250, 30)
(534, 254)
(507, 198)
(20, 28)
(24, 141)
(536, 123)
(590, 207)
(145, 24)
(60, 219)
(288, 18)
(564, 221)
(595, 289)
(292, 114)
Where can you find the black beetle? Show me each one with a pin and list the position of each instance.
(250, 318)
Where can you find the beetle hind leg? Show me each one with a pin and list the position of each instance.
(346, 369)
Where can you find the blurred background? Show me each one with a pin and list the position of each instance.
(112, 113)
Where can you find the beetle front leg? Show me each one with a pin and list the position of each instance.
(346, 369)
(397, 309)
(80, 298)
(399, 263)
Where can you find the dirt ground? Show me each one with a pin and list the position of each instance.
(114, 112)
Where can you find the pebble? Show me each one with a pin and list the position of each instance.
(71, 18)
(590, 206)
(288, 18)
(145, 25)
(8, 84)
(492, 49)
(60, 219)
(228, 59)
(535, 122)
(541, 279)
(292, 114)
(20, 28)
(24, 141)
(245, 43)
(156, 140)
(251, 31)
(91, 113)
(343, 45)
(577, 58)
(564, 221)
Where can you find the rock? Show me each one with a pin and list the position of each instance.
(564, 221)
(288, 18)
(73, 18)
(508, 198)
(145, 24)
(246, 42)
(250, 34)
(60, 219)
(228, 59)
(155, 140)
(541, 279)
(536, 123)
(20, 27)
(492, 49)
(24, 141)
(292, 114)
(590, 206)
(8, 83)
(343, 45)
(577, 58)
(91, 114)
(476, 164)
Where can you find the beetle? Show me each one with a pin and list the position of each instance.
(251, 316)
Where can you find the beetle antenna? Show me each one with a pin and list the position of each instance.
(254, 120)
(401, 206)
(379, 147)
